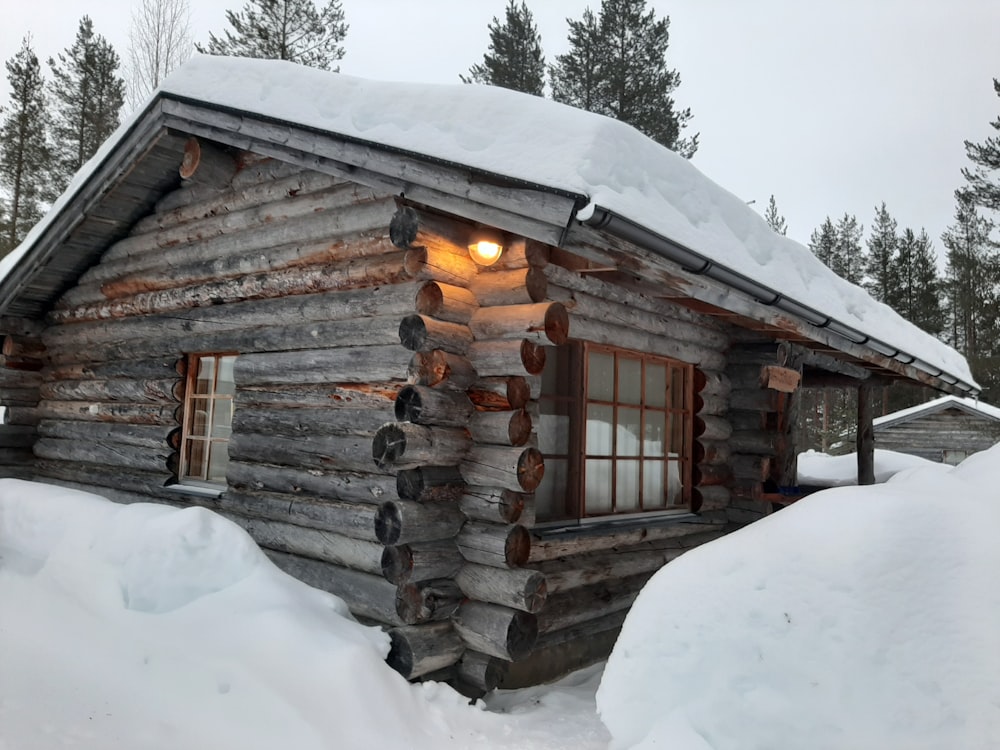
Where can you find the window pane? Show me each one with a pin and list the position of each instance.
(200, 416)
(550, 495)
(598, 478)
(675, 495)
(627, 486)
(656, 384)
(676, 434)
(653, 495)
(226, 385)
(677, 389)
(629, 430)
(629, 380)
(219, 460)
(599, 421)
(600, 376)
(195, 458)
(222, 422)
(552, 427)
(654, 440)
(206, 376)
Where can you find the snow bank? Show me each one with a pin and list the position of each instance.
(856, 618)
(823, 470)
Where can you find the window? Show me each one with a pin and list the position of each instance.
(208, 419)
(616, 430)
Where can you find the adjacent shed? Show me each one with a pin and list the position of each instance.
(947, 429)
(476, 362)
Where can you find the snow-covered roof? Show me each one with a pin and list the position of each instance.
(968, 405)
(608, 164)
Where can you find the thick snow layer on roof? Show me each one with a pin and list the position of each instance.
(944, 402)
(859, 617)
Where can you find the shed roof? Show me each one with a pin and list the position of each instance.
(969, 406)
(569, 166)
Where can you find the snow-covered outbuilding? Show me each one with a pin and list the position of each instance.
(946, 430)
(477, 362)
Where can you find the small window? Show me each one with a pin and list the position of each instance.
(208, 419)
(616, 430)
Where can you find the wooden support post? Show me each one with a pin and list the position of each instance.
(866, 436)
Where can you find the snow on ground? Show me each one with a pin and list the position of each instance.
(823, 470)
(856, 618)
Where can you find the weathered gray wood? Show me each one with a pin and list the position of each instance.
(336, 396)
(613, 334)
(503, 632)
(12, 396)
(17, 326)
(152, 437)
(543, 323)
(406, 522)
(413, 227)
(405, 445)
(706, 475)
(127, 413)
(355, 520)
(587, 603)
(430, 484)
(607, 567)
(294, 480)
(22, 347)
(422, 404)
(421, 333)
(865, 436)
(446, 302)
(500, 393)
(507, 357)
(519, 588)
(323, 452)
(17, 436)
(481, 671)
(441, 369)
(422, 561)
(107, 453)
(168, 390)
(133, 369)
(522, 286)
(417, 650)
(711, 452)
(309, 421)
(21, 415)
(501, 427)
(433, 264)
(754, 443)
(368, 596)
(517, 469)
(713, 497)
(494, 545)
(19, 378)
(16, 457)
(427, 601)
(563, 545)
(364, 365)
(708, 427)
(492, 505)
(206, 164)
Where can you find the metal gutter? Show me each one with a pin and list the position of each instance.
(696, 263)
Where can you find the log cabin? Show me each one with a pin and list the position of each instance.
(474, 361)
(946, 430)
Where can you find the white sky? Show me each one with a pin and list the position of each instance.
(832, 107)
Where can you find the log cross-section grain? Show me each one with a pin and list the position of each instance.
(507, 357)
(500, 394)
(405, 445)
(421, 333)
(519, 588)
(430, 484)
(417, 650)
(501, 427)
(494, 545)
(404, 521)
(492, 505)
(441, 369)
(499, 631)
(517, 469)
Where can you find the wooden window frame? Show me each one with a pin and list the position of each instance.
(187, 419)
(576, 396)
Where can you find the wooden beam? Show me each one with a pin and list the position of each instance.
(866, 436)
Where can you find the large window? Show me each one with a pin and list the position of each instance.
(208, 419)
(615, 428)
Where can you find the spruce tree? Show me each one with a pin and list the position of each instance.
(88, 95)
(881, 263)
(617, 66)
(927, 312)
(515, 60)
(850, 255)
(823, 243)
(24, 153)
(983, 187)
(774, 219)
(291, 30)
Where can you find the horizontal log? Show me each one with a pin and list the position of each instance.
(501, 427)
(16, 457)
(21, 415)
(492, 505)
(446, 302)
(507, 357)
(17, 326)
(705, 475)
(323, 452)
(588, 603)
(714, 497)
(417, 650)
(764, 400)
(413, 227)
(423, 561)
(607, 567)
(158, 414)
(611, 334)
(337, 549)
(355, 520)
(590, 630)
(520, 589)
(160, 368)
(542, 323)
(107, 453)
(434, 264)
(499, 631)
(169, 390)
(522, 286)
(707, 427)
(427, 601)
(19, 378)
(346, 486)
(27, 347)
(517, 469)
(404, 445)
(756, 443)
(421, 333)
(494, 545)
(309, 421)
(406, 522)
(711, 452)
(363, 364)
(523, 253)
(481, 672)
(368, 596)
(18, 436)
(551, 547)
(430, 484)
(152, 437)
(757, 468)
(424, 405)
(12, 396)
(327, 396)
(500, 393)
(30, 364)
(149, 483)
(714, 383)
(441, 369)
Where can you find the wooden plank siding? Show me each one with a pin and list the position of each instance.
(943, 436)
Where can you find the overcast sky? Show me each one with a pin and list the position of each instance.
(833, 107)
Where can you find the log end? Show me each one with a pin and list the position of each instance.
(388, 525)
(403, 227)
(522, 633)
(519, 428)
(530, 469)
(397, 563)
(388, 445)
(429, 299)
(413, 332)
(557, 324)
(401, 657)
(517, 547)
(532, 357)
(696, 500)
(409, 404)
(191, 159)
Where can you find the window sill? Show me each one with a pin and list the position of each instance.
(597, 526)
(196, 490)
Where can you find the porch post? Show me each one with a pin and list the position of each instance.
(866, 435)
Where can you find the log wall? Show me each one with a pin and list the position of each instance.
(946, 436)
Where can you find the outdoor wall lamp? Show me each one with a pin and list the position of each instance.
(485, 246)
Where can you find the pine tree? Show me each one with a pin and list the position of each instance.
(24, 153)
(617, 66)
(284, 30)
(850, 256)
(515, 60)
(88, 95)
(823, 243)
(983, 187)
(927, 312)
(774, 219)
(881, 263)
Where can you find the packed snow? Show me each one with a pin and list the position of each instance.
(856, 618)
(540, 141)
(818, 469)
